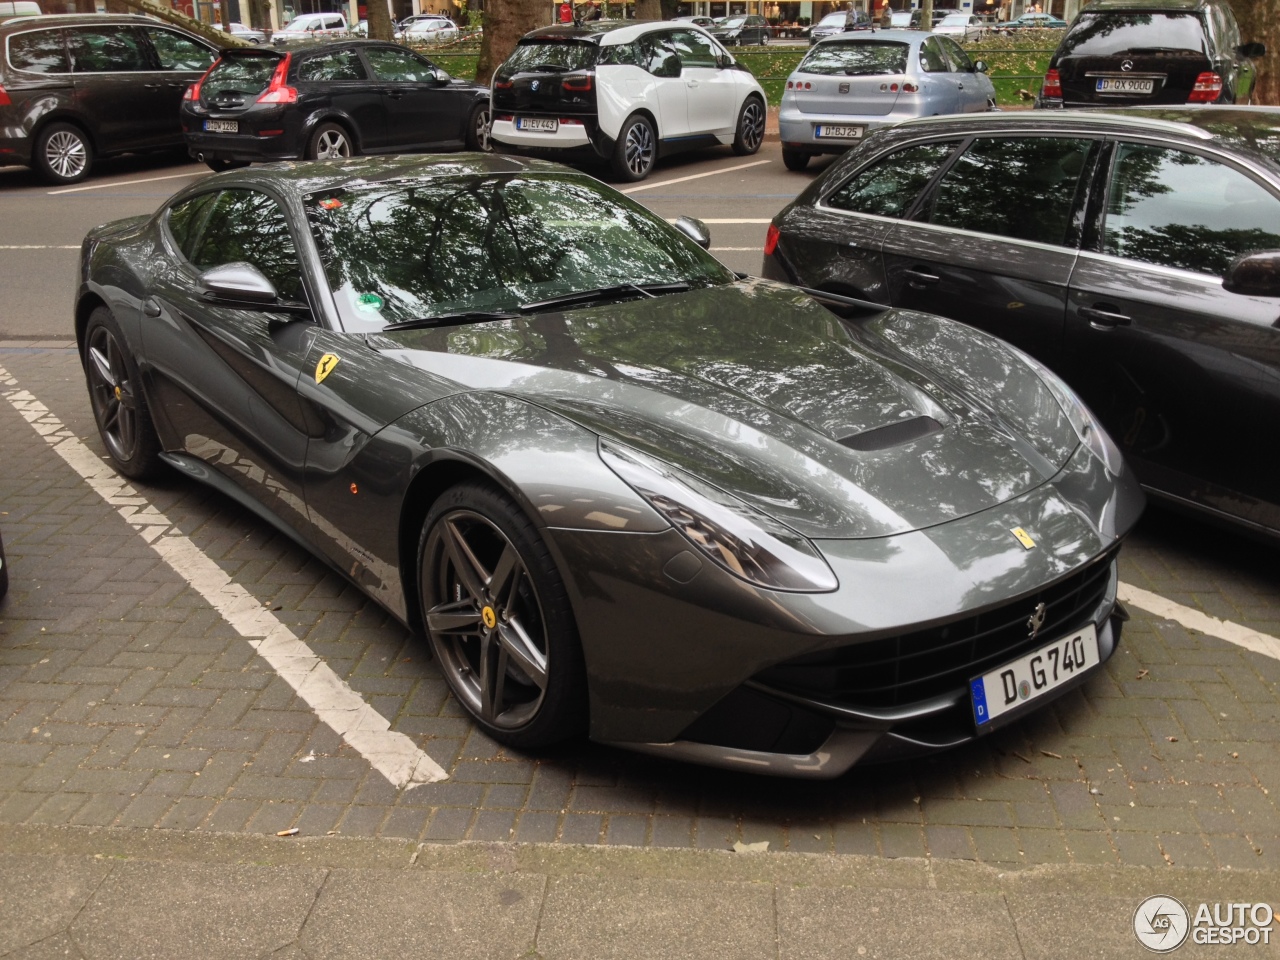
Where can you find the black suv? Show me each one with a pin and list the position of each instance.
(77, 87)
(321, 101)
(1122, 52)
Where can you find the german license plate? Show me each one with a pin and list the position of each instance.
(1125, 85)
(832, 131)
(540, 124)
(1033, 675)
(222, 126)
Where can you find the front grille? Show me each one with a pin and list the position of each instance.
(917, 666)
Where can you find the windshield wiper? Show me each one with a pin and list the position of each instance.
(450, 319)
(606, 293)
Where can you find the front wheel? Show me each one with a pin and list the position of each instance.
(119, 405)
(63, 153)
(750, 131)
(498, 617)
(330, 142)
(795, 160)
(478, 129)
(636, 150)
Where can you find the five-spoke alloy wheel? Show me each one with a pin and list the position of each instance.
(330, 142)
(119, 406)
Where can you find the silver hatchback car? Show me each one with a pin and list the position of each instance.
(850, 84)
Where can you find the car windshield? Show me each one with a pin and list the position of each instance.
(560, 54)
(955, 19)
(440, 246)
(1110, 34)
(832, 20)
(733, 22)
(856, 58)
(247, 74)
(301, 23)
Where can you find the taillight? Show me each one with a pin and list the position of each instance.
(580, 84)
(4, 98)
(276, 91)
(502, 84)
(1052, 86)
(770, 240)
(193, 91)
(1207, 89)
(504, 117)
(910, 88)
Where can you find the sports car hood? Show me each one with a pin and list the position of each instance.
(839, 428)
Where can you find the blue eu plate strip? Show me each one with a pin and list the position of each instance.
(979, 702)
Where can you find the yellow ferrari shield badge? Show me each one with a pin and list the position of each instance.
(325, 366)
(1023, 537)
(489, 617)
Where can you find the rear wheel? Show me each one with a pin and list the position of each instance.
(119, 406)
(795, 159)
(478, 129)
(636, 150)
(750, 131)
(330, 142)
(498, 617)
(63, 153)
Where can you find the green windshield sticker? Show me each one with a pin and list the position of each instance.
(368, 303)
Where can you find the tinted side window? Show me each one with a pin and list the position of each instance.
(248, 226)
(931, 57)
(1183, 210)
(343, 65)
(40, 51)
(177, 52)
(693, 49)
(398, 65)
(658, 56)
(960, 61)
(333, 23)
(107, 50)
(186, 220)
(1021, 189)
(889, 187)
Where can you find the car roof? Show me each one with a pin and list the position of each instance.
(83, 19)
(914, 37)
(591, 30)
(1145, 6)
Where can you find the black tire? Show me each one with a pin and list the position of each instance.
(478, 129)
(217, 166)
(795, 159)
(330, 141)
(636, 151)
(63, 153)
(498, 618)
(749, 133)
(119, 403)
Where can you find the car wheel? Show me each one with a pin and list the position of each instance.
(63, 153)
(636, 150)
(119, 405)
(330, 142)
(478, 129)
(795, 159)
(217, 166)
(498, 617)
(764, 39)
(750, 132)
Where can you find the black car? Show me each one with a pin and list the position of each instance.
(742, 30)
(1124, 52)
(73, 88)
(1137, 253)
(331, 100)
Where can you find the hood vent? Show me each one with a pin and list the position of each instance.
(891, 434)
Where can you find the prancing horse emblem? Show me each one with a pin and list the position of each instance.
(1036, 620)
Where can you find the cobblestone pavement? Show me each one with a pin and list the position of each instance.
(126, 700)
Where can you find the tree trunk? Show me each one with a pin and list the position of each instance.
(505, 22)
(926, 14)
(648, 10)
(169, 15)
(1260, 23)
(380, 25)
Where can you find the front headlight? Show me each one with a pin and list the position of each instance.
(1082, 420)
(746, 542)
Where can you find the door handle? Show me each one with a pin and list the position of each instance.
(395, 94)
(1101, 319)
(150, 308)
(153, 86)
(693, 83)
(917, 277)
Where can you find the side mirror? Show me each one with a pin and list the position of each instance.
(243, 286)
(1254, 274)
(695, 230)
(980, 66)
(1252, 51)
(441, 77)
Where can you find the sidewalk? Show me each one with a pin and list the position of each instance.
(137, 894)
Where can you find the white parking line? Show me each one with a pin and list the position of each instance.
(126, 183)
(696, 176)
(392, 754)
(1241, 636)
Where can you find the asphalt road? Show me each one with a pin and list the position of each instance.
(128, 700)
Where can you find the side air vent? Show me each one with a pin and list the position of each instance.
(891, 434)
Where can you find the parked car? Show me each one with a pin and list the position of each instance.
(851, 84)
(312, 26)
(1035, 21)
(939, 14)
(336, 100)
(77, 87)
(430, 30)
(961, 26)
(706, 23)
(1122, 52)
(18, 8)
(1122, 250)
(248, 34)
(625, 92)
(740, 31)
(836, 23)
(623, 492)
(900, 19)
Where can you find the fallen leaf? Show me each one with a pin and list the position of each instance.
(1141, 674)
(1050, 753)
(287, 833)
(1095, 791)
(1172, 739)
(740, 847)
(1234, 755)
(1167, 859)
